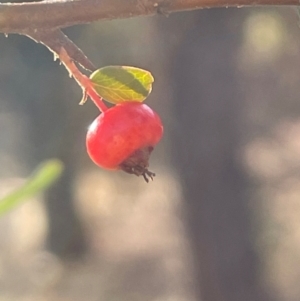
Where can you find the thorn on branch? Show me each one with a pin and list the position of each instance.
(55, 39)
(161, 9)
(67, 52)
(84, 98)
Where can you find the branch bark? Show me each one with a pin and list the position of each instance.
(55, 40)
(22, 17)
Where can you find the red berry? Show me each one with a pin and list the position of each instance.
(123, 137)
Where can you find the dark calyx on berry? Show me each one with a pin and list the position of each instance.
(138, 163)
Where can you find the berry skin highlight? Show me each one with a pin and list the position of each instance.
(123, 137)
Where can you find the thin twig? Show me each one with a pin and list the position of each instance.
(20, 17)
(57, 43)
(54, 39)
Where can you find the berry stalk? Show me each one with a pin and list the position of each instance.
(83, 81)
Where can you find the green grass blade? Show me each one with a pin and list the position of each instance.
(44, 176)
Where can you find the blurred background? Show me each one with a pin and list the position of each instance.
(220, 222)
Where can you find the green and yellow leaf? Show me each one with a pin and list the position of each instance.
(118, 84)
